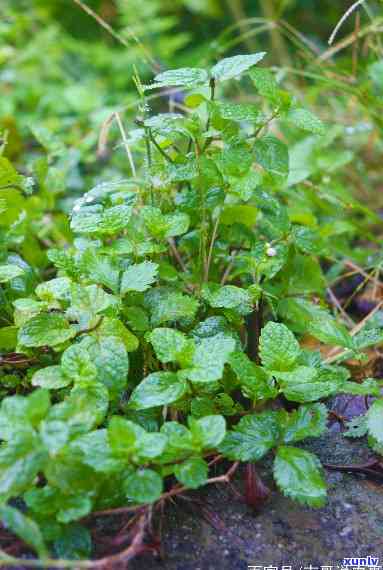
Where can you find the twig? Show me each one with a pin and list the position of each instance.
(343, 19)
(126, 144)
(213, 238)
(339, 306)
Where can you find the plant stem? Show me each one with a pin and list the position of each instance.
(254, 324)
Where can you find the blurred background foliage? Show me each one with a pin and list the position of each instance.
(65, 68)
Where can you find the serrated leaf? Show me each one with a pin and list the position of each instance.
(374, 420)
(305, 120)
(8, 272)
(208, 431)
(157, 389)
(209, 359)
(329, 331)
(74, 543)
(46, 329)
(192, 473)
(298, 475)
(252, 437)
(255, 382)
(111, 359)
(369, 387)
(306, 421)
(173, 307)
(183, 77)
(24, 527)
(97, 452)
(307, 384)
(265, 83)
(50, 378)
(171, 345)
(143, 486)
(228, 297)
(356, 427)
(272, 154)
(278, 347)
(139, 277)
(234, 66)
(238, 111)
(77, 364)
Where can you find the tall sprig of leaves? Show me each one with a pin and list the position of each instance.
(163, 339)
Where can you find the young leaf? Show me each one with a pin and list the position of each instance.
(171, 345)
(209, 359)
(305, 120)
(272, 154)
(234, 66)
(329, 331)
(298, 475)
(252, 437)
(306, 421)
(50, 378)
(157, 389)
(8, 272)
(255, 382)
(46, 329)
(278, 347)
(143, 486)
(24, 527)
(228, 297)
(139, 277)
(307, 384)
(183, 77)
(77, 364)
(208, 431)
(192, 473)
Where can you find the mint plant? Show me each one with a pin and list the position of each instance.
(170, 336)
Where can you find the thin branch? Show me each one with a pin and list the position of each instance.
(126, 144)
(343, 19)
(210, 254)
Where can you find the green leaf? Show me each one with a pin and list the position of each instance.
(234, 66)
(192, 473)
(306, 421)
(208, 431)
(272, 154)
(255, 382)
(171, 345)
(109, 356)
(139, 277)
(278, 347)
(329, 331)
(265, 83)
(74, 507)
(77, 364)
(173, 307)
(369, 387)
(100, 269)
(299, 476)
(54, 435)
(243, 214)
(157, 389)
(97, 452)
(143, 486)
(356, 427)
(8, 338)
(209, 359)
(20, 461)
(46, 329)
(114, 327)
(368, 337)
(24, 527)
(305, 120)
(238, 111)
(183, 77)
(74, 543)
(50, 378)
(228, 297)
(252, 437)
(374, 420)
(307, 384)
(8, 272)
(57, 289)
